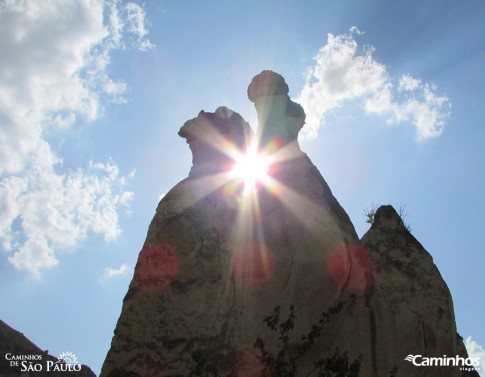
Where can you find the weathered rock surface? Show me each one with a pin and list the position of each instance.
(410, 308)
(218, 259)
(15, 344)
(215, 262)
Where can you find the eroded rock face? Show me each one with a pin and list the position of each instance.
(217, 260)
(410, 308)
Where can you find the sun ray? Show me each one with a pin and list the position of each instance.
(243, 174)
(251, 168)
(205, 185)
(252, 261)
(302, 208)
(284, 153)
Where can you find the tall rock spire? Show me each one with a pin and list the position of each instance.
(255, 229)
(217, 259)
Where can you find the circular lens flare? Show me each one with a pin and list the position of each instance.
(351, 267)
(252, 169)
(157, 266)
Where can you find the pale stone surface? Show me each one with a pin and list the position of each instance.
(216, 262)
(411, 308)
(407, 311)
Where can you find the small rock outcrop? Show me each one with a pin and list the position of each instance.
(411, 308)
(406, 313)
(20, 357)
(218, 260)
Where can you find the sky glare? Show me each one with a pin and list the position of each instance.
(93, 93)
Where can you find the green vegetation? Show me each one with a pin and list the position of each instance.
(370, 214)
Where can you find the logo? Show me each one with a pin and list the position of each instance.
(465, 363)
(67, 362)
(411, 358)
(68, 358)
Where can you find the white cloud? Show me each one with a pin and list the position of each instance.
(476, 350)
(123, 270)
(355, 30)
(33, 256)
(136, 25)
(54, 59)
(344, 72)
(43, 211)
(408, 82)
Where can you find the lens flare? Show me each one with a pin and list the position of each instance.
(351, 267)
(251, 363)
(252, 169)
(156, 268)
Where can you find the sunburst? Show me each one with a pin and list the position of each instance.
(243, 176)
(251, 168)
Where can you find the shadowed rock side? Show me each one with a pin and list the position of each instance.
(211, 135)
(278, 116)
(410, 310)
(14, 344)
(216, 261)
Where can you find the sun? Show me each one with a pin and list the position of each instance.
(251, 168)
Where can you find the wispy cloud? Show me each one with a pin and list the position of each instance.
(123, 270)
(343, 71)
(135, 16)
(54, 59)
(476, 350)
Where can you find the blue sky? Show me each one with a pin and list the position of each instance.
(93, 93)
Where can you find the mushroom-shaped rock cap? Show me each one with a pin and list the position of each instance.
(278, 116)
(267, 83)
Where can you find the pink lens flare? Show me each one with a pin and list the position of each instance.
(351, 267)
(156, 268)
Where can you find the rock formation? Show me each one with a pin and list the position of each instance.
(32, 361)
(411, 309)
(218, 259)
(210, 135)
